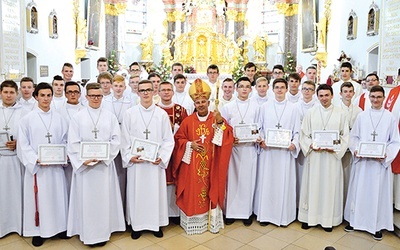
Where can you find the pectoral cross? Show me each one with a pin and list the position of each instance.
(202, 137)
(278, 126)
(48, 136)
(6, 128)
(242, 122)
(147, 132)
(95, 131)
(373, 135)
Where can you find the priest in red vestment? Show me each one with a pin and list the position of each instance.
(200, 163)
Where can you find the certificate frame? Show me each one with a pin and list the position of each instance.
(371, 149)
(94, 150)
(278, 138)
(326, 139)
(52, 154)
(4, 137)
(147, 150)
(246, 132)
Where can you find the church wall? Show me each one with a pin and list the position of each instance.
(356, 49)
(55, 52)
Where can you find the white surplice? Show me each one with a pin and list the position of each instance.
(29, 104)
(259, 99)
(242, 168)
(294, 98)
(337, 98)
(11, 174)
(52, 194)
(352, 112)
(147, 206)
(68, 111)
(184, 100)
(275, 197)
(96, 208)
(321, 192)
(58, 102)
(301, 107)
(369, 204)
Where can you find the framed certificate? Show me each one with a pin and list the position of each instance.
(95, 150)
(52, 154)
(371, 149)
(278, 138)
(326, 139)
(246, 132)
(147, 150)
(4, 138)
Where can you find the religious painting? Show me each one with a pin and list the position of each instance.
(32, 25)
(373, 20)
(308, 26)
(352, 26)
(93, 24)
(53, 25)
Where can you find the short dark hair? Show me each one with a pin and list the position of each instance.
(179, 76)
(134, 63)
(324, 87)
(228, 80)
(27, 79)
(309, 83)
(93, 85)
(242, 79)
(347, 85)
(153, 75)
(346, 65)
(377, 88)
(278, 66)
(295, 76)
(71, 83)
(250, 65)
(10, 84)
(40, 86)
(177, 64)
(278, 80)
(105, 75)
(57, 78)
(165, 83)
(145, 81)
(373, 74)
(67, 65)
(213, 66)
(102, 59)
(311, 67)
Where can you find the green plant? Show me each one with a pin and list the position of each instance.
(163, 69)
(290, 65)
(113, 64)
(238, 70)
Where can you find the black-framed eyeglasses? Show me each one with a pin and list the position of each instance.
(145, 91)
(95, 96)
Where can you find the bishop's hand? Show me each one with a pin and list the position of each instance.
(217, 117)
(197, 146)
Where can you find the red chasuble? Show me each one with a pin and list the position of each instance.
(204, 179)
(390, 102)
(176, 115)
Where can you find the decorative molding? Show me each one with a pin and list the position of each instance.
(352, 22)
(373, 20)
(53, 25)
(287, 9)
(32, 20)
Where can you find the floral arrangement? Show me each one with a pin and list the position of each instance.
(190, 70)
(238, 70)
(113, 64)
(162, 69)
(290, 65)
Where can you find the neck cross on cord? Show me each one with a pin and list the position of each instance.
(278, 126)
(48, 136)
(373, 135)
(95, 131)
(147, 132)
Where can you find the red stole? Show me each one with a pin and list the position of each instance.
(390, 102)
(361, 103)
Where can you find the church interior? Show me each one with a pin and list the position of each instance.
(39, 36)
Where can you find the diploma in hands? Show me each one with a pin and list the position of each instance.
(326, 139)
(246, 132)
(52, 154)
(371, 149)
(4, 138)
(94, 150)
(278, 138)
(147, 150)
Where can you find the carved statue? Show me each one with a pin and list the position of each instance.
(322, 33)
(259, 46)
(166, 51)
(147, 49)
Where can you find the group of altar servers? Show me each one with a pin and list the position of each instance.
(277, 184)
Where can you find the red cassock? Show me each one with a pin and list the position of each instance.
(204, 179)
(389, 105)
